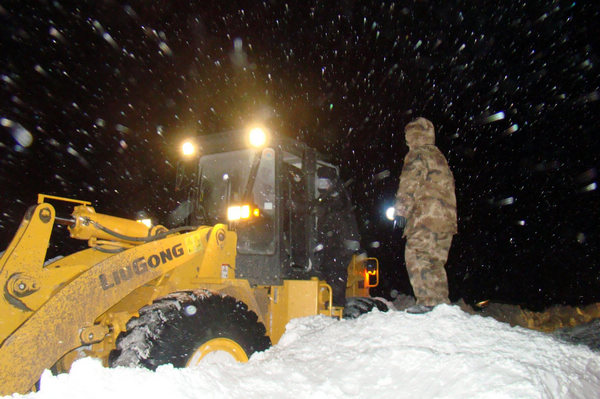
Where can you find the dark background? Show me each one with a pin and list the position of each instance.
(95, 96)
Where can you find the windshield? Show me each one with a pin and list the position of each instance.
(223, 173)
(235, 177)
(238, 177)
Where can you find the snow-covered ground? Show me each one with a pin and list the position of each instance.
(444, 354)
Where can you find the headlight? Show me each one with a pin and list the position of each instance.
(257, 137)
(241, 212)
(188, 148)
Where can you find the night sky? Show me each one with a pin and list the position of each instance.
(95, 97)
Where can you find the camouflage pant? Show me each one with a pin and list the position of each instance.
(425, 255)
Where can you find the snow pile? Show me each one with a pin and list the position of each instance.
(444, 354)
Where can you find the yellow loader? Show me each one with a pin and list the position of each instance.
(245, 258)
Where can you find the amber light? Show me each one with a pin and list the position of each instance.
(242, 212)
(371, 278)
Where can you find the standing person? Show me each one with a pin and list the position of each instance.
(426, 208)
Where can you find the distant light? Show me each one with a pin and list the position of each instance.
(390, 213)
(188, 149)
(257, 137)
(495, 117)
(521, 222)
(590, 187)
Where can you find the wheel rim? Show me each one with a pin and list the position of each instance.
(223, 345)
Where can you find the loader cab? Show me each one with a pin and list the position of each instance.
(278, 229)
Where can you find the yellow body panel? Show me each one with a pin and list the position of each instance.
(70, 313)
(51, 314)
(298, 298)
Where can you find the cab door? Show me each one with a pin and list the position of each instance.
(257, 244)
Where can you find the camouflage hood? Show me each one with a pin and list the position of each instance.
(419, 132)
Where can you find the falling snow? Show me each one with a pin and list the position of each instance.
(96, 96)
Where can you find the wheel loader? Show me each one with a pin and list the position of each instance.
(242, 259)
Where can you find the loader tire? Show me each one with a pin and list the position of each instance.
(181, 328)
(356, 306)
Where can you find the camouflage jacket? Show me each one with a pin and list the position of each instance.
(426, 195)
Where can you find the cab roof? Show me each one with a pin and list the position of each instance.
(238, 139)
